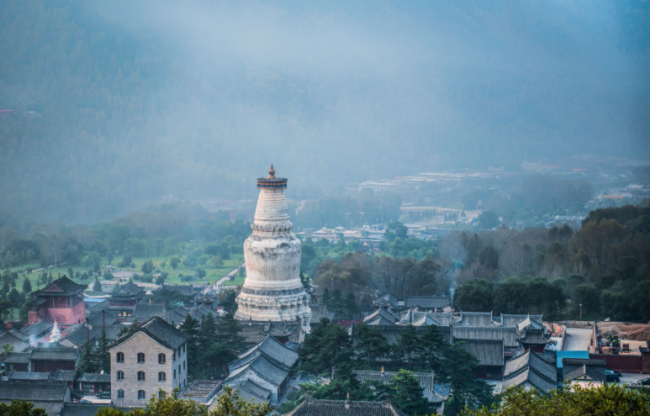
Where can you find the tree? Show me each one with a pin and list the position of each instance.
(488, 220)
(395, 229)
(306, 283)
(126, 261)
(227, 299)
(408, 346)
(97, 287)
(458, 370)
(475, 296)
(326, 347)
(6, 349)
(370, 344)
(200, 273)
(610, 399)
(21, 408)
(432, 350)
(587, 295)
(407, 394)
(27, 286)
(351, 305)
(148, 267)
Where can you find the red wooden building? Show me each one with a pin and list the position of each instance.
(61, 301)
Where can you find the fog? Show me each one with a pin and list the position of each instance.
(136, 101)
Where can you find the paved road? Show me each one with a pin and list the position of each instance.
(217, 285)
(577, 339)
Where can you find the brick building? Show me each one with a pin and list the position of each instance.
(151, 358)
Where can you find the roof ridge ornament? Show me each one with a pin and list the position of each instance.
(271, 172)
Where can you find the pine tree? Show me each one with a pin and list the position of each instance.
(27, 286)
(371, 344)
(97, 286)
(432, 349)
(351, 305)
(408, 345)
(228, 330)
(407, 394)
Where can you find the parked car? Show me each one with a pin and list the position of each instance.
(644, 382)
(611, 375)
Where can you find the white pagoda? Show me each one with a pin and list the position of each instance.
(272, 290)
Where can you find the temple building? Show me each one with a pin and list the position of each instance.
(61, 301)
(272, 290)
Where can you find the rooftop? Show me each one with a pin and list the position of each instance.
(33, 392)
(488, 352)
(61, 286)
(54, 352)
(159, 330)
(427, 302)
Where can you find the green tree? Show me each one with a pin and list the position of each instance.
(148, 267)
(488, 220)
(458, 370)
(370, 344)
(27, 286)
(21, 408)
(351, 306)
(610, 400)
(326, 347)
(200, 273)
(475, 296)
(432, 350)
(6, 349)
(174, 262)
(395, 229)
(408, 346)
(587, 295)
(407, 394)
(97, 287)
(191, 326)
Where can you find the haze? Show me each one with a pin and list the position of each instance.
(120, 104)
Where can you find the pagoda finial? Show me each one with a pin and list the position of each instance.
(271, 172)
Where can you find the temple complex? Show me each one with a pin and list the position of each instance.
(272, 290)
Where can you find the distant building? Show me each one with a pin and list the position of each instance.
(60, 301)
(48, 396)
(123, 299)
(49, 358)
(584, 372)
(152, 357)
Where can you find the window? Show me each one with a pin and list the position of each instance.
(141, 395)
(120, 394)
(183, 364)
(119, 357)
(120, 375)
(140, 357)
(140, 375)
(162, 376)
(162, 358)
(174, 374)
(162, 394)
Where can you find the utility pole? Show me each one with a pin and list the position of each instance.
(581, 311)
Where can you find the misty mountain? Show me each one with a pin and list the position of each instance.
(119, 104)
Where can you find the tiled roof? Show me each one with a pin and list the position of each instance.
(534, 337)
(33, 392)
(273, 350)
(64, 375)
(532, 370)
(29, 376)
(488, 352)
(387, 299)
(252, 392)
(508, 335)
(311, 407)
(54, 353)
(145, 311)
(575, 368)
(66, 286)
(36, 329)
(426, 382)
(380, 317)
(17, 358)
(427, 302)
(475, 319)
(127, 289)
(19, 335)
(99, 318)
(159, 330)
(509, 320)
(95, 378)
(393, 332)
(82, 409)
(264, 368)
(17, 343)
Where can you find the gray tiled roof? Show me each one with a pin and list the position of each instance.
(66, 286)
(380, 317)
(475, 319)
(531, 369)
(17, 343)
(95, 378)
(159, 330)
(28, 376)
(393, 332)
(263, 367)
(575, 368)
(36, 329)
(33, 392)
(426, 382)
(427, 302)
(144, 311)
(64, 375)
(508, 335)
(274, 351)
(534, 336)
(252, 392)
(311, 407)
(19, 335)
(488, 352)
(54, 353)
(17, 358)
(508, 320)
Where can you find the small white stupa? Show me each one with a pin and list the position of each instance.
(55, 336)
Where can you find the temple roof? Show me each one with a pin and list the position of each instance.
(16, 341)
(513, 320)
(488, 352)
(427, 302)
(29, 376)
(380, 317)
(17, 358)
(128, 289)
(52, 353)
(159, 330)
(475, 319)
(64, 375)
(426, 382)
(36, 329)
(62, 286)
(95, 378)
(33, 392)
(508, 335)
(311, 407)
(253, 392)
(271, 349)
(263, 367)
(531, 370)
